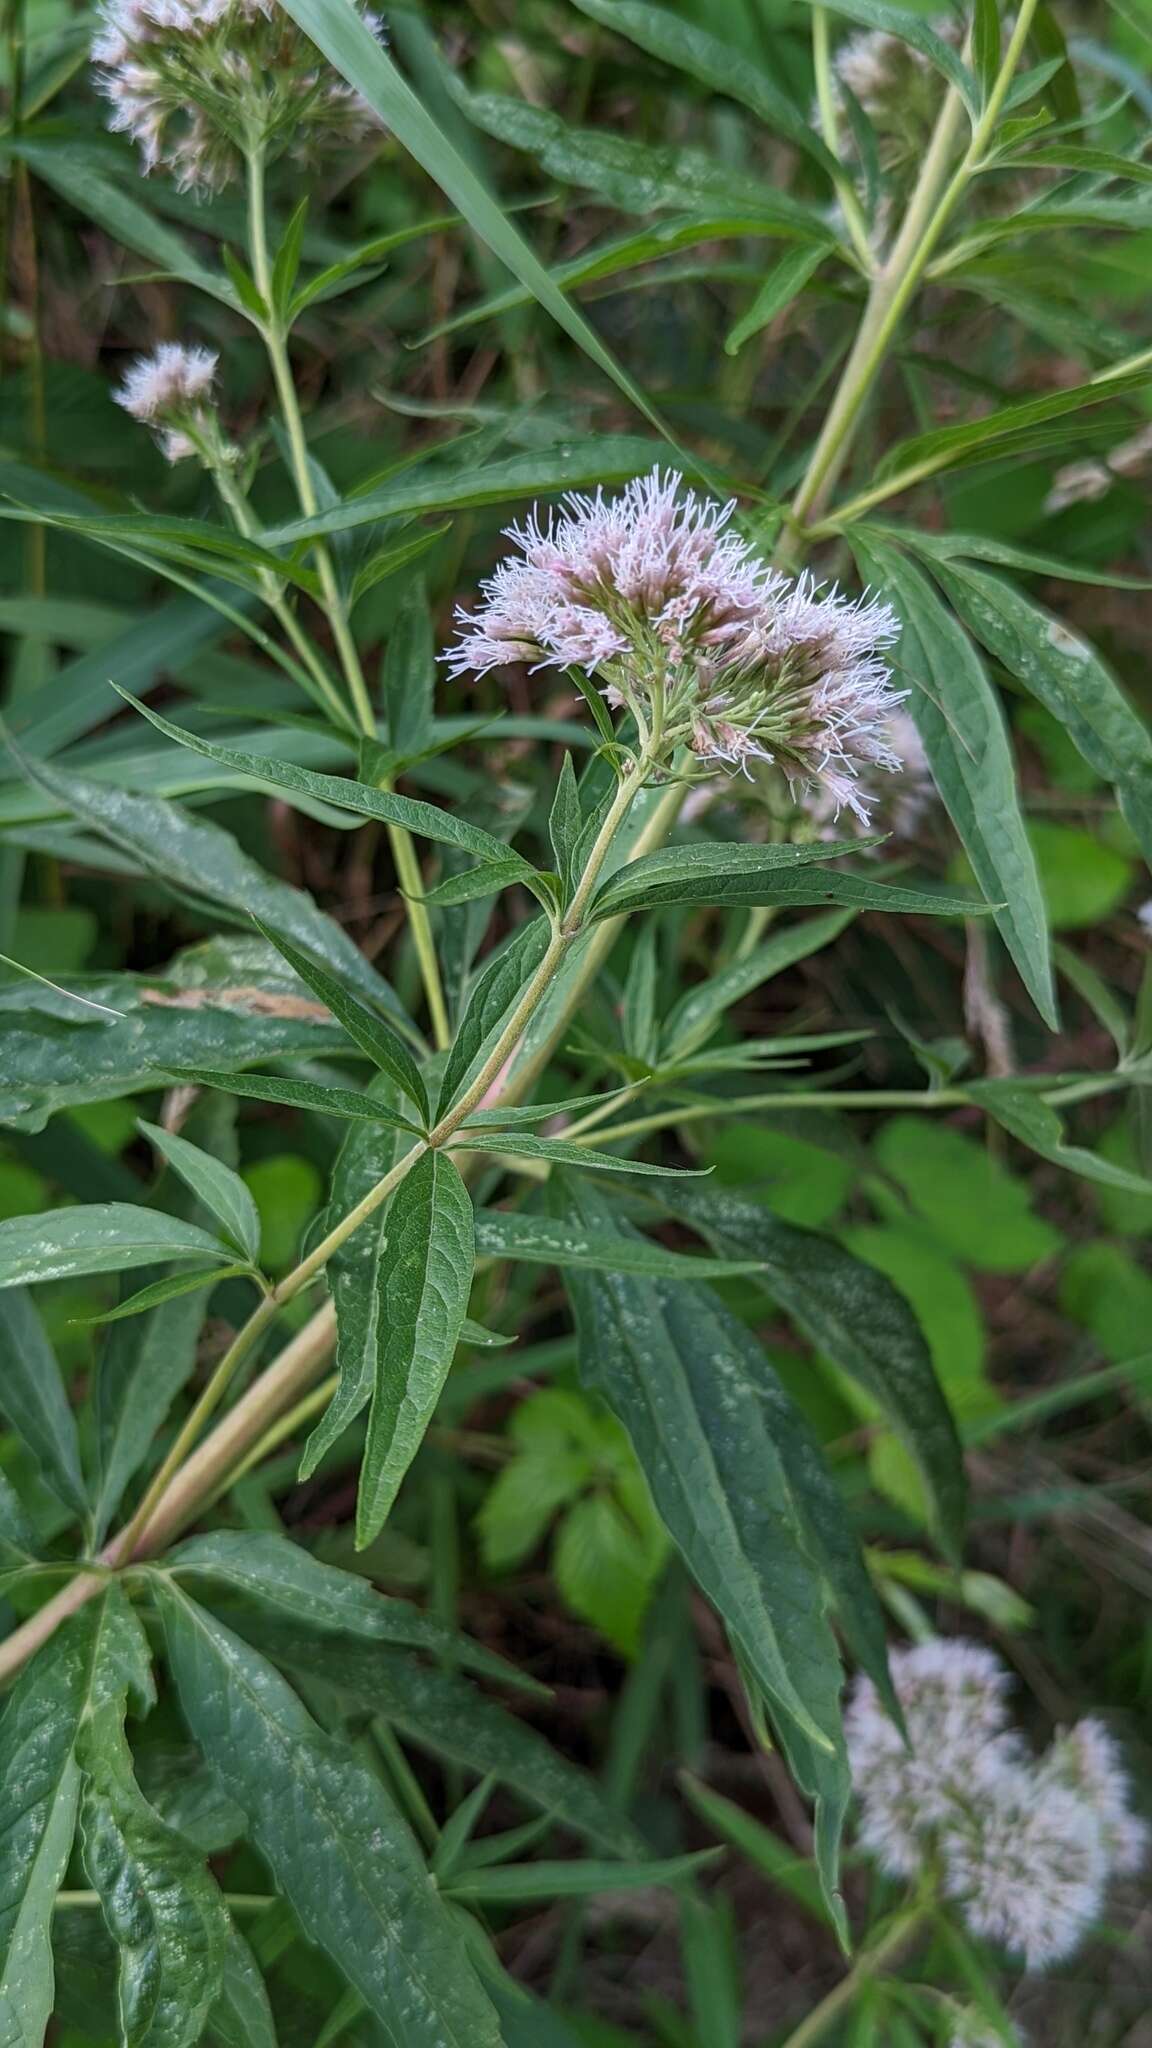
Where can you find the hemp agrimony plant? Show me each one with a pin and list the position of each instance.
(730, 702)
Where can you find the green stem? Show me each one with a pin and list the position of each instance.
(872, 1963)
(850, 206)
(276, 343)
(931, 207)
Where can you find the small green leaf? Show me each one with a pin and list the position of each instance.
(244, 285)
(1028, 1117)
(784, 283)
(32, 1394)
(520, 1883)
(562, 1153)
(565, 822)
(638, 1011)
(369, 1152)
(475, 883)
(423, 1280)
(408, 675)
(169, 1289)
(297, 1095)
(369, 1031)
(287, 264)
(986, 44)
(221, 1191)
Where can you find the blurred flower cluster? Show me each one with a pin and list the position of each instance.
(1024, 1845)
(200, 84)
(654, 594)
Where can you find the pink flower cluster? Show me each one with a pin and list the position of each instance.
(1025, 1846)
(193, 82)
(654, 593)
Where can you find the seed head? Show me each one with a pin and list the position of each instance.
(678, 618)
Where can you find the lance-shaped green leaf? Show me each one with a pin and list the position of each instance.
(374, 1037)
(88, 1661)
(784, 282)
(854, 1315)
(425, 820)
(699, 1010)
(202, 862)
(446, 1716)
(299, 1095)
(518, 1883)
(160, 1903)
(340, 1853)
(723, 873)
(242, 2014)
(659, 1354)
(33, 1399)
(491, 1000)
(1067, 676)
(722, 67)
(559, 1241)
(17, 1536)
(101, 1237)
(561, 1152)
(423, 1280)
(965, 738)
(281, 1575)
(213, 1183)
(369, 1152)
(1028, 1117)
(349, 44)
(408, 675)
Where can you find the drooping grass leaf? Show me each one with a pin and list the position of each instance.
(340, 1853)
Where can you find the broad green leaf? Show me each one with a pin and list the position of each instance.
(556, 1241)
(979, 1211)
(228, 1003)
(350, 45)
(365, 1026)
(32, 1396)
(444, 1714)
(1084, 879)
(423, 1281)
(101, 1237)
(369, 1152)
(88, 1661)
(606, 1566)
(638, 177)
(221, 1191)
(160, 1903)
(425, 820)
(660, 1355)
(1067, 676)
(298, 1095)
(784, 282)
(338, 1850)
(281, 1575)
(409, 674)
(962, 726)
(856, 1318)
(723, 873)
(1028, 1117)
(695, 1014)
(490, 1003)
(201, 861)
(242, 2015)
(522, 1145)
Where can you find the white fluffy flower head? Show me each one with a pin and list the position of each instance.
(654, 594)
(197, 82)
(1024, 1846)
(171, 390)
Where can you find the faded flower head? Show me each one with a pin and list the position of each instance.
(1024, 1846)
(897, 87)
(679, 620)
(171, 390)
(196, 82)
